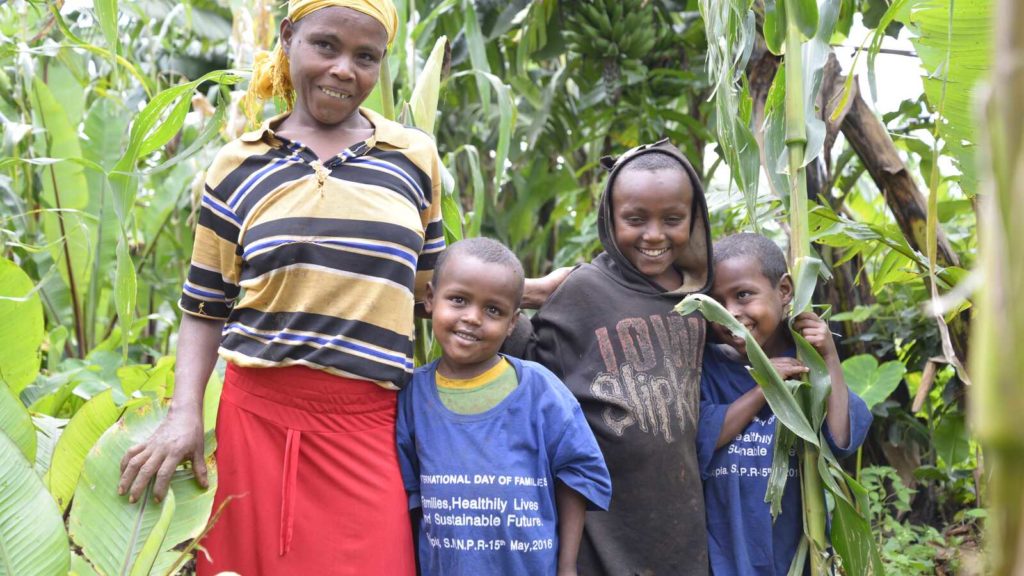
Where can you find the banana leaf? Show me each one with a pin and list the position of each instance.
(113, 533)
(32, 536)
(16, 423)
(65, 193)
(48, 432)
(21, 328)
(80, 434)
(954, 42)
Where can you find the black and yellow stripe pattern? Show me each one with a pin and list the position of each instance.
(319, 263)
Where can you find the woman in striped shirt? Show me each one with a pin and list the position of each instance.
(317, 234)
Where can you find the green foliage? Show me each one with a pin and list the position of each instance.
(119, 537)
(109, 115)
(21, 327)
(871, 381)
(954, 42)
(906, 547)
(32, 536)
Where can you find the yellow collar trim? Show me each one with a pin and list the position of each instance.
(477, 381)
(384, 131)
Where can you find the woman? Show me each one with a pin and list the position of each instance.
(328, 216)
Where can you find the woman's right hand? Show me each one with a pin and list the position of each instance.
(178, 438)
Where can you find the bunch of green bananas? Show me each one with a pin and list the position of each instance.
(617, 29)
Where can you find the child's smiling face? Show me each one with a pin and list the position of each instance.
(473, 308)
(651, 213)
(743, 289)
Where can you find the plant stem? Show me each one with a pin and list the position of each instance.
(796, 141)
(800, 249)
(814, 509)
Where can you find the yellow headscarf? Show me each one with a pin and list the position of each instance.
(270, 75)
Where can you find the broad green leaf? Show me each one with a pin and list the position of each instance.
(111, 531)
(854, 542)
(211, 401)
(106, 13)
(782, 402)
(507, 113)
(80, 435)
(48, 432)
(805, 12)
(81, 567)
(451, 214)
(70, 191)
(950, 439)
(956, 52)
(476, 218)
(477, 53)
(32, 536)
(125, 284)
(154, 543)
(106, 125)
(21, 328)
(428, 87)
(16, 423)
(873, 383)
(775, 26)
(65, 191)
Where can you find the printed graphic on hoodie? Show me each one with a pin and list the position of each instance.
(648, 380)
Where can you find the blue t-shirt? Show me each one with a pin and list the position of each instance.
(741, 536)
(485, 481)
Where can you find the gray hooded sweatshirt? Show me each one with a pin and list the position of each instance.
(610, 333)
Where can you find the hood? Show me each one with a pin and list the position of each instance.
(694, 262)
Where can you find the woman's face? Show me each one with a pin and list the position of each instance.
(334, 57)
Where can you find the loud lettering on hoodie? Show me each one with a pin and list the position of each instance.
(648, 379)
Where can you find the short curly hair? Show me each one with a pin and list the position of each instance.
(756, 246)
(485, 250)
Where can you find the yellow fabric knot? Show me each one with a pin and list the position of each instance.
(270, 73)
(321, 175)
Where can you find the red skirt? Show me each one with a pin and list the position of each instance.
(310, 461)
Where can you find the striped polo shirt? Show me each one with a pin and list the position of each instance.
(318, 263)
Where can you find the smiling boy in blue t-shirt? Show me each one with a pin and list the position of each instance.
(736, 440)
(494, 451)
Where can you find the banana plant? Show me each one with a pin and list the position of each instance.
(118, 537)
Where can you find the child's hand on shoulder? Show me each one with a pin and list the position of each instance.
(816, 332)
(788, 368)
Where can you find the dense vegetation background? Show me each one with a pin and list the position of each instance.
(111, 112)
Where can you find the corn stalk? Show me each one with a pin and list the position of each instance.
(793, 132)
(998, 394)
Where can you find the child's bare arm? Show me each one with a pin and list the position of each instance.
(744, 408)
(572, 508)
(816, 332)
